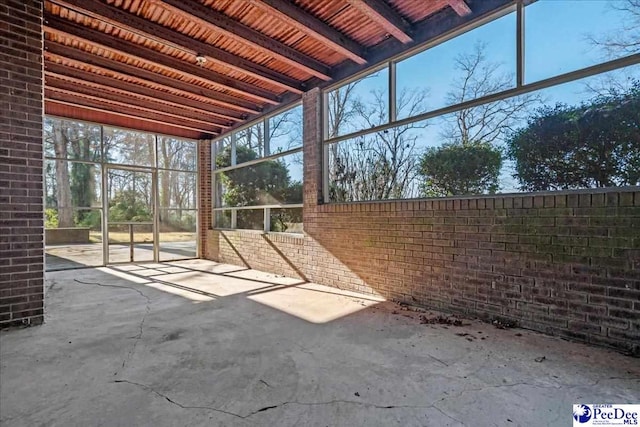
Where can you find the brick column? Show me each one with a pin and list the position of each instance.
(205, 213)
(21, 159)
(312, 140)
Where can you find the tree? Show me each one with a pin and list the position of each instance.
(470, 160)
(127, 205)
(376, 166)
(596, 144)
(264, 183)
(75, 184)
(459, 169)
(624, 41)
(63, 189)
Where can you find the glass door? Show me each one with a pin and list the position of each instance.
(130, 215)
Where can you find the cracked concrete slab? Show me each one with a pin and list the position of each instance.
(200, 343)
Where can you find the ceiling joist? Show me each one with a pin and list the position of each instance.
(313, 27)
(79, 33)
(461, 8)
(56, 84)
(114, 93)
(70, 111)
(222, 24)
(137, 90)
(98, 97)
(165, 36)
(122, 109)
(60, 53)
(382, 14)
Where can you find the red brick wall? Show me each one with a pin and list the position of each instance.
(21, 208)
(566, 264)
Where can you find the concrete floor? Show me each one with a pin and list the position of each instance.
(62, 257)
(194, 343)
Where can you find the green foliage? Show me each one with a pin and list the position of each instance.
(177, 220)
(89, 219)
(267, 182)
(283, 219)
(459, 169)
(264, 183)
(127, 206)
(50, 218)
(596, 144)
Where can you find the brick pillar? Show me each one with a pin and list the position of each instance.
(205, 213)
(313, 153)
(21, 159)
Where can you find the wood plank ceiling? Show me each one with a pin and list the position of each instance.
(196, 68)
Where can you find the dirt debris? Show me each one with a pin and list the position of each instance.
(442, 320)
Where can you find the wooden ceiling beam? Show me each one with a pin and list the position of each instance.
(68, 111)
(306, 23)
(382, 14)
(461, 8)
(150, 30)
(93, 102)
(102, 96)
(79, 33)
(207, 96)
(222, 24)
(59, 81)
(70, 73)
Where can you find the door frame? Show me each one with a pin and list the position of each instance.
(105, 209)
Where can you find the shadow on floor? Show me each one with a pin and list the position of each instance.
(200, 343)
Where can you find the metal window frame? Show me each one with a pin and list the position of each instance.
(593, 70)
(153, 169)
(521, 88)
(259, 160)
(264, 120)
(520, 47)
(248, 124)
(266, 209)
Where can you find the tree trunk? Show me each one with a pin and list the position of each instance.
(63, 187)
(165, 178)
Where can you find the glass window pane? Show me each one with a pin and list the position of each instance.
(250, 219)
(250, 143)
(177, 154)
(129, 147)
(76, 245)
(222, 219)
(564, 36)
(71, 140)
(177, 234)
(582, 134)
(377, 166)
(587, 135)
(285, 130)
(270, 182)
(71, 185)
(130, 242)
(286, 220)
(475, 64)
(130, 196)
(358, 105)
(221, 152)
(177, 189)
